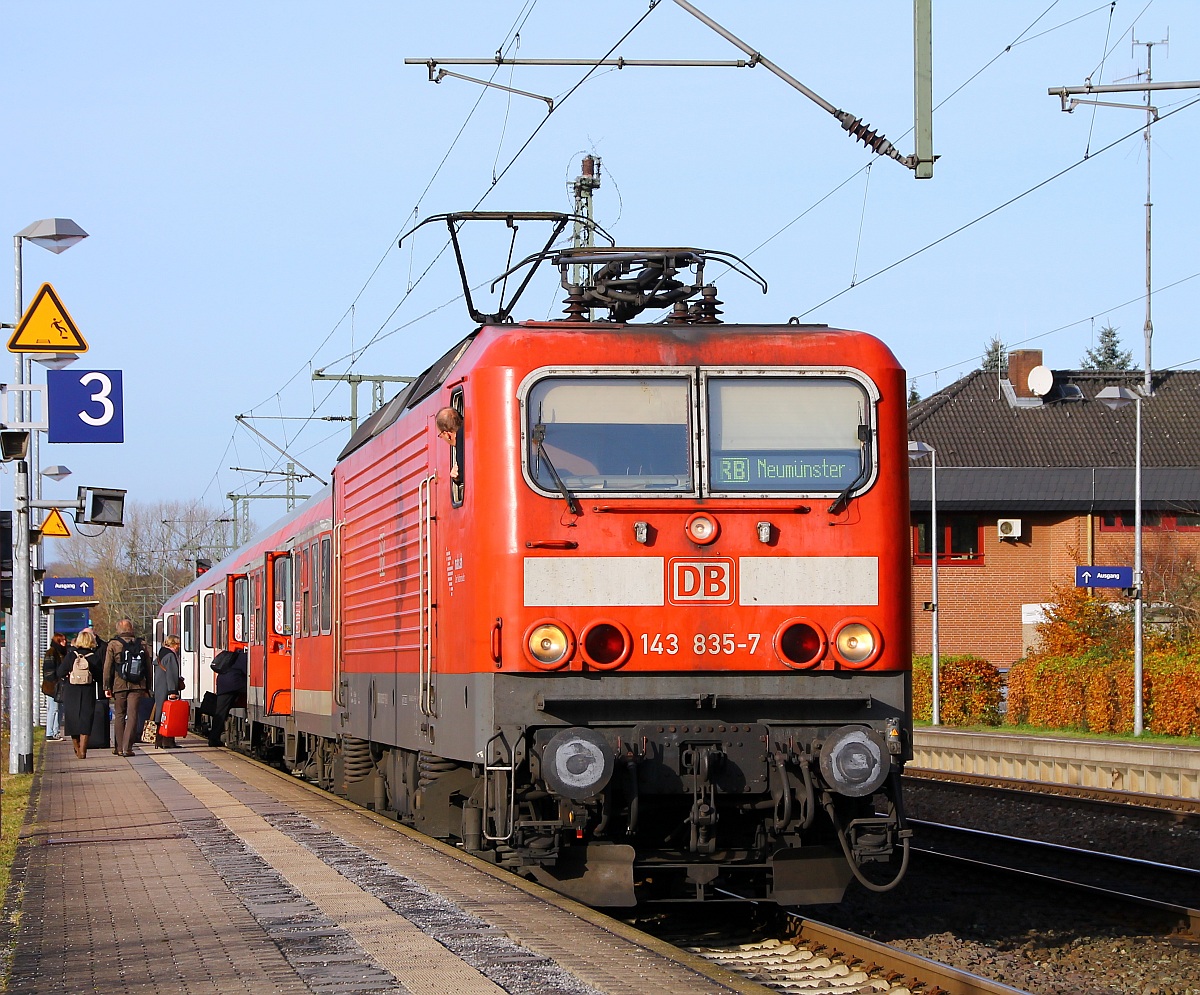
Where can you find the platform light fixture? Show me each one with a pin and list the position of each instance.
(1116, 398)
(916, 451)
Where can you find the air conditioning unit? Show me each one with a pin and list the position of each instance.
(1009, 528)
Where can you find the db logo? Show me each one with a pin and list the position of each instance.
(708, 581)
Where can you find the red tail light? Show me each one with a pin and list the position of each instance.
(800, 643)
(606, 644)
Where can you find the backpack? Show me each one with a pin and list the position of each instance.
(132, 667)
(80, 671)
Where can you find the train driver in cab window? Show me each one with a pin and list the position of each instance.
(449, 425)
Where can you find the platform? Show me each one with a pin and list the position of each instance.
(199, 871)
(1152, 768)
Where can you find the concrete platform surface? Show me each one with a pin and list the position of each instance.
(199, 871)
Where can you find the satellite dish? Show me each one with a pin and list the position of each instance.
(1041, 379)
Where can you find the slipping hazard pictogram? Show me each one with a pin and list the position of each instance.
(46, 327)
(54, 525)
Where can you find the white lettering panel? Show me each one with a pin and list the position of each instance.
(593, 581)
(808, 580)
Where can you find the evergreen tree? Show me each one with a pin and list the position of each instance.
(995, 357)
(1107, 354)
(913, 394)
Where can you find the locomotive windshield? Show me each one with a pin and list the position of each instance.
(623, 433)
(785, 434)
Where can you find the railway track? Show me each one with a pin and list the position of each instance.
(806, 955)
(1111, 877)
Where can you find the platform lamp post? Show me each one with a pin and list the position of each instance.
(57, 235)
(916, 451)
(1116, 398)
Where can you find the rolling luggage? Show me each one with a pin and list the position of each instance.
(174, 721)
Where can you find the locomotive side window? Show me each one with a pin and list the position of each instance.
(786, 434)
(615, 433)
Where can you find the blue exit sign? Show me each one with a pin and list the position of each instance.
(1104, 576)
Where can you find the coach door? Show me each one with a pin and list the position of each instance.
(279, 623)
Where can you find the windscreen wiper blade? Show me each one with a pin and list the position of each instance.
(539, 437)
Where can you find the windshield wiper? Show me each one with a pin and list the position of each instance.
(539, 437)
(843, 499)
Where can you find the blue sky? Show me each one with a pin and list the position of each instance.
(244, 169)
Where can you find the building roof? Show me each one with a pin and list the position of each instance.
(1063, 451)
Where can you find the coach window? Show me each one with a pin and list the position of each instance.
(209, 619)
(187, 638)
(241, 610)
(220, 624)
(774, 435)
(303, 595)
(281, 585)
(610, 433)
(326, 602)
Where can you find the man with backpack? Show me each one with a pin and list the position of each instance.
(126, 682)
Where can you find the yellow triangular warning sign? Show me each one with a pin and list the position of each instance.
(54, 525)
(46, 327)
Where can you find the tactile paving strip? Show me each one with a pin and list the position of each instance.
(585, 945)
(393, 943)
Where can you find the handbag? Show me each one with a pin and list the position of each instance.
(182, 684)
(150, 731)
(208, 704)
(49, 687)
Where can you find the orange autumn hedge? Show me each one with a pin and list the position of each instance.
(1095, 693)
(1082, 678)
(969, 690)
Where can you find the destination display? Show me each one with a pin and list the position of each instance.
(785, 470)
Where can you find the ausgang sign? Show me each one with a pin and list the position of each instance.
(1104, 576)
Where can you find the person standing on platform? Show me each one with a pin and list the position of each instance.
(126, 681)
(81, 671)
(166, 687)
(55, 653)
(230, 668)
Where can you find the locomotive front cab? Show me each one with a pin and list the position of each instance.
(718, 643)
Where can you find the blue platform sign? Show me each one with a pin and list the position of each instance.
(84, 406)
(1104, 576)
(70, 587)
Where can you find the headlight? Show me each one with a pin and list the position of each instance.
(856, 643)
(549, 644)
(702, 529)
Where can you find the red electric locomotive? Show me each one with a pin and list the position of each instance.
(637, 626)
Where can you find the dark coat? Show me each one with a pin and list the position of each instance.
(79, 700)
(232, 678)
(166, 680)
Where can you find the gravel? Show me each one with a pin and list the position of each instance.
(1035, 938)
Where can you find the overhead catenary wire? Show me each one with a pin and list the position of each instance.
(995, 210)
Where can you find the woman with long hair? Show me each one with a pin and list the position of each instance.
(81, 672)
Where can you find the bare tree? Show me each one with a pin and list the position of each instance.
(136, 568)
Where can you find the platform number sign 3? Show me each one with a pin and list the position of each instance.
(85, 406)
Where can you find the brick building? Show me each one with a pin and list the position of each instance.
(1032, 481)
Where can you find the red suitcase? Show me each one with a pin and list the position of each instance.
(174, 720)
